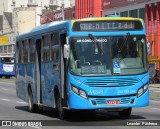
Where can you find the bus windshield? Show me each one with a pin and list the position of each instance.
(7, 60)
(108, 55)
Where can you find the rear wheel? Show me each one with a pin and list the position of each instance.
(32, 107)
(7, 77)
(126, 113)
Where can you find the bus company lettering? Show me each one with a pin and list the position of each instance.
(89, 40)
(96, 92)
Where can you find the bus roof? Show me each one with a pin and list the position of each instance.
(58, 24)
(47, 25)
(107, 18)
(42, 27)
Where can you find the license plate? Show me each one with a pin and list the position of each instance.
(113, 102)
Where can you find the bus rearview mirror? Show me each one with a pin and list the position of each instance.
(66, 51)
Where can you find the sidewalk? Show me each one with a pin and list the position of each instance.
(155, 85)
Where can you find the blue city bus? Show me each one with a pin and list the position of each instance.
(85, 64)
(7, 66)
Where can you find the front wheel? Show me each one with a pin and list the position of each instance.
(63, 113)
(126, 113)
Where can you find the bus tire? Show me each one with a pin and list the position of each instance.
(63, 113)
(126, 113)
(31, 106)
(7, 77)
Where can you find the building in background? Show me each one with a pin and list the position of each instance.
(58, 10)
(152, 20)
(68, 13)
(88, 8)
(16, 17)
(148, 10)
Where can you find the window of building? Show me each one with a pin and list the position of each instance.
(133, 13)
(124, 14)
(5, 49)
(51, 1)
(32, 1)
(1, 49)
(9, 48)
(55, 46)
(142, 13)
(46, 47)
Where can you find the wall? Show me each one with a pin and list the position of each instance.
(87, 8)
(152, 15)
(108, 4)
(26, 19)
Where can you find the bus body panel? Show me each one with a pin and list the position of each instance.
(26, 77)
(50, 79)
(77, 102)
(20, 81)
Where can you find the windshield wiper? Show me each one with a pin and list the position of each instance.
(94, 40)
(125, 42)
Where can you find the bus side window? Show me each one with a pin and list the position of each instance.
(19, 51)
(32, 48)
(46, 47)
(54, 46)
(25, 51)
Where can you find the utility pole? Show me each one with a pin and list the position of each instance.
(62, 10)
(13, 17)
(14, 26)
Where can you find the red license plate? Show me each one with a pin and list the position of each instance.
(113, 102)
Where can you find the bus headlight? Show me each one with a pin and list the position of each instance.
(142, 90)
(78, 91)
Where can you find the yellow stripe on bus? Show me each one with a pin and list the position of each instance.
(106, 18)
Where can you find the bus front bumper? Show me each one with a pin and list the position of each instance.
(77, 102)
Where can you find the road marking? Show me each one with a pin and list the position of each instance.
(156, 91)
(36, 127)
(6, 100)
(155, 108)
(4, 89)
(154, 101)
(21, 102)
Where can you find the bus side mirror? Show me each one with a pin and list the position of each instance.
(66, 51)
(149, 48)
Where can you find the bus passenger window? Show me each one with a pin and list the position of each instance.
(25, 51)
(19, 47)
(46, 47)
(54, 47)
(32, 50)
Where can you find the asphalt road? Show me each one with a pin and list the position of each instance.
(12, 108)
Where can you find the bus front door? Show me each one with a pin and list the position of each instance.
(38, 72)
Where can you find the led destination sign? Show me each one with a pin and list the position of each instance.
(106, 25)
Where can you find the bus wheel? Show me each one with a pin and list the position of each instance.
(126, 113)
(7, 77)
(63, 113)
(32, 107)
